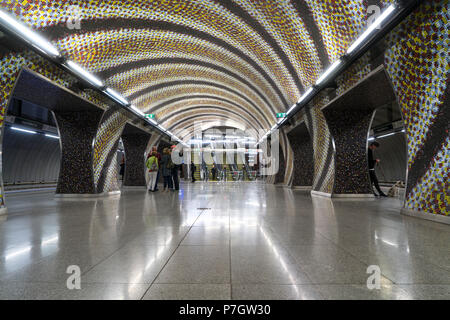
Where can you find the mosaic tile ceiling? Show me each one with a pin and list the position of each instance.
(253, 57)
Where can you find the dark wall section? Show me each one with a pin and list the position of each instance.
(349, 130)
(279, 177)
(77, 132)
(134, 144)
(301, 144)
(29, 158)
(392, 153)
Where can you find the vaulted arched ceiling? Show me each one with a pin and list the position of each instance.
(226, 62)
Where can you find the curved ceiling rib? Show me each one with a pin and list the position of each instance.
(187, 74)
(90, 27)
(206, 110)
(173, 107)
(216, 69)
(201, 84)
(182, 127)
(241, 59)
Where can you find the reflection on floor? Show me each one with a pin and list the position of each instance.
(219, 241)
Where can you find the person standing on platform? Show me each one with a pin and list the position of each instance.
(372, 174)
(158, 156)
(193, 171)
(214, 172)
(166, 169)
(175, 169)
(153, 168)
(122, 167)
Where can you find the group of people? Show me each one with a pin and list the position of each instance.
(213, 172)
(157, 164)
(164, 165)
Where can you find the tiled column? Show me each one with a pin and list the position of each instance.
(279, 177)
(349, 117)
(135, 144)
(77, 132)
(349, 128)
(323, 148)
(105, 151)
(419, 71)
(303, 161)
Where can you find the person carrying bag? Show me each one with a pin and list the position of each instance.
(153, 168)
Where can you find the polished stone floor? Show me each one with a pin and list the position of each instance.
(219, 241)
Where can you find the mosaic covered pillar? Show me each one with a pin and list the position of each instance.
(323, 150)
(349, 128)
(349, 117)
(135, 144)
(77, 132)
(105, 151)
(418, 64)
(279, 176)
(303, 160)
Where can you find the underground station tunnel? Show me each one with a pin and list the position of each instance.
(243, 150)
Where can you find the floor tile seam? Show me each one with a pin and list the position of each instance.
(384, 275)
(354, 256)
(108, 256)
(173, 253)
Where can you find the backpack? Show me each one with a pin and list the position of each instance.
(169, 164)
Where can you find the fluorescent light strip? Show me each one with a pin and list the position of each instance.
(153, 121)
(23, 130)
(291, 109)
(28, 34)
(51, 136)
(372, 27)
(329, 71)
(117, 96)
(305, 95)
(139, 111)
(387, 135)
(89, 77)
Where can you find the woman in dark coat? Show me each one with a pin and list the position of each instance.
(166, 168)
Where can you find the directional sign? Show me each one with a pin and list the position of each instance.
(150, 116)
(281, 115)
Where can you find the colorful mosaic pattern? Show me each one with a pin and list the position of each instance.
(340, 23)
(265, 42)
(417, 61)
(105, 150)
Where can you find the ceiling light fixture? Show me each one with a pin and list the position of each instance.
(23, 130)
(27, 34)
(116, 96)
(84, 74)
(325, 75)
(372, 27)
